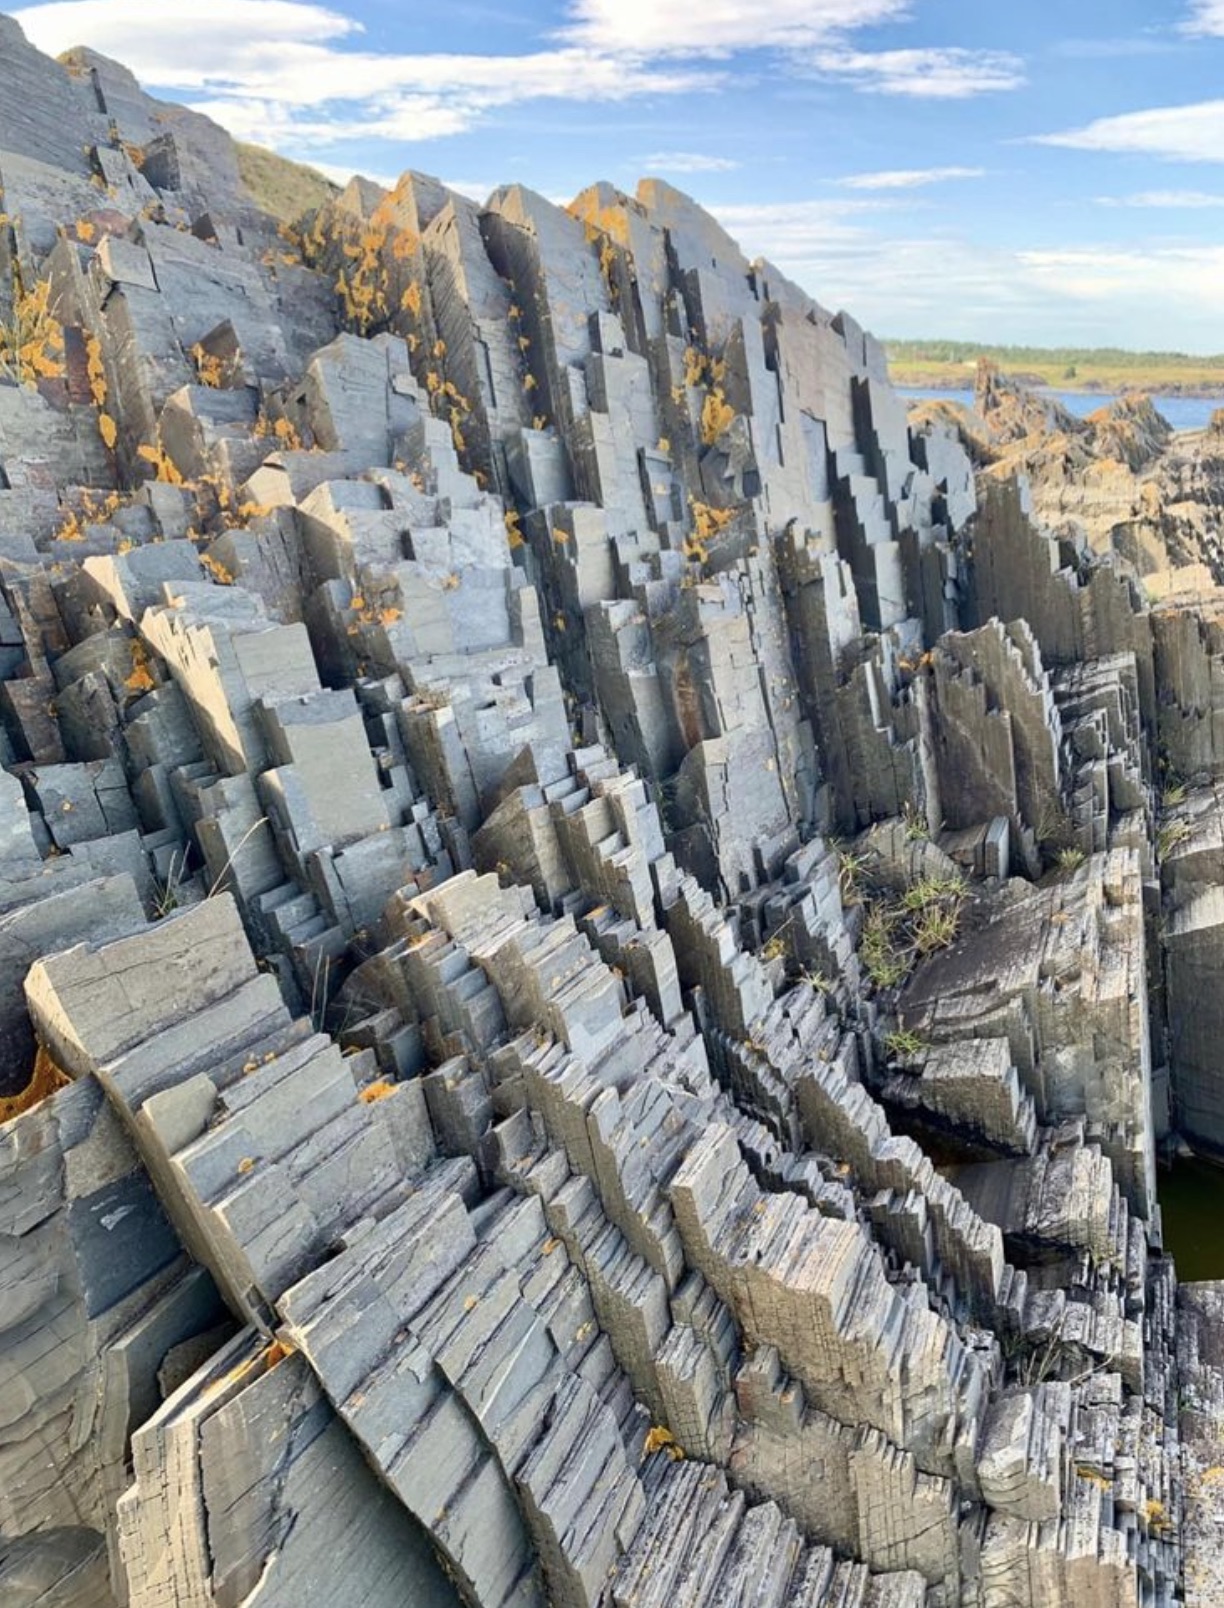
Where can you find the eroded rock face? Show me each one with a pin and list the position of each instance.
(1119, 481)
(587, 897)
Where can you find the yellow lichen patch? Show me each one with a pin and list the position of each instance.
(32, 342)
(216, 569)
(717, 415)
(86, 232)
(210, 370)
(1157, 1516)
(283, 431)
(514, 531)
(707, 521)
(108, 430)
(44, 1080)
(410, 301)
(96, 370)
(164, 465)
(247, 511)
(560, 536)
(695, 365)
(376, 1091)
(405, 245)
(246, 1165)
(661, 1439)
(140, 680)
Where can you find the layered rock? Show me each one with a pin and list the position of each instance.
(581, 914)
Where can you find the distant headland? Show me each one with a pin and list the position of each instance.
(950, 365)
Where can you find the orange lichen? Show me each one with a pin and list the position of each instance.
(108, 430)
(216, 569)
(661, 1439)
(695, 365)
(283, 431)
(140, 680)
(376, 1091)
(44, 1080)
(164, 465)
(707, 523)
(32, 343)
(210, 370)
(96, 370)
(717, 415)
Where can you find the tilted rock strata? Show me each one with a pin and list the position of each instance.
(587, 914)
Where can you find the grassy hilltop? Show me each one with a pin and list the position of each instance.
(937, 364)
(285, 189)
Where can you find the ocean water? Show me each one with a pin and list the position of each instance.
(1182, 412)
(1191, 1193)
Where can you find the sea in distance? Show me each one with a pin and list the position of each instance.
(1182, 412)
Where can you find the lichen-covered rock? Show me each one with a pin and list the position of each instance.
(582, 1013)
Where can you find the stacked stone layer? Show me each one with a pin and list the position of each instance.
(580, 901)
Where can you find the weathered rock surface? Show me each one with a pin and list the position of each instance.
(583, 1013)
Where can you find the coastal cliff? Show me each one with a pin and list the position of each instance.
(600, 931)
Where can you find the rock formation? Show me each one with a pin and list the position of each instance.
(597, 938)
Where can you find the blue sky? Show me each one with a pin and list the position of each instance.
(1022, 172)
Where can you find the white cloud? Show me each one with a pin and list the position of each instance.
(473, 189)
(942, 283)
(790, 232)
(908, 178)
(689, 162)
(1149, 44)
(707, 27)
(1139, 276)
(1206, 17)
(1193, 133)
(302, 77)
(340, 173)
(1192, 200)
(282, 71)
(937, 74)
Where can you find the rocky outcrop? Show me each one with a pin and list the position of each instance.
(580, 983)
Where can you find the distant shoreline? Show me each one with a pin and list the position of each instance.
(1162, 388)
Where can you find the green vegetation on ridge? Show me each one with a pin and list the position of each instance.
(938, 364)
(285, 189)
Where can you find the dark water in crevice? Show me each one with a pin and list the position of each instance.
(1191, 1195)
